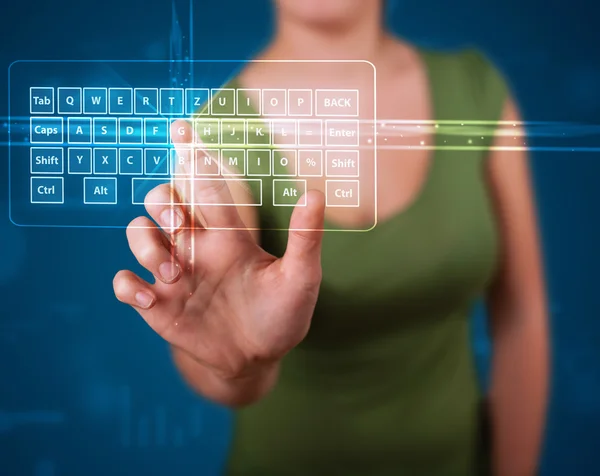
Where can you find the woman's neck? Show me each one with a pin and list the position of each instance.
(362, 40)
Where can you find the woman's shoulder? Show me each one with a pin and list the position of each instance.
(471, 75)
(472, 65)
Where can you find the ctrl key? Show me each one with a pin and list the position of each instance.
(342, 193)
(47, 190)
(99, 191)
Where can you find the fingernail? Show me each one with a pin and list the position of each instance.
(170, 219)
(144, 299)
(169, 271)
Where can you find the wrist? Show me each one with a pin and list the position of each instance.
(235, 389)
(250, 385)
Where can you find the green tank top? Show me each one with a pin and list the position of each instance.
(385, 382)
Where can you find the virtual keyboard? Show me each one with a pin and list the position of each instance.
(89, 140)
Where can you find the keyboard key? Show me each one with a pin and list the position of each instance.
(46, 130)
(342, 163)
(120, 101)
(141, 186)
(156, 131)
(344, 133)
(181, 161)
(130, 162)
(197, 101)
(171, 101)
(130, 131)
(233, 132)
(207, 162)
(178, 134)
(41, 100)
(341, 193)
(289, 193)
(208, 130)
(105, 161)
(105, 130)
(258, 132)
(300, 102)
(337, 102)
(47, 190)
(285, 163)
(233, 162)
(249, 102)
(99, 191)
(223, 101)
(47, 160)
(310, 163)
(80, 160)
(95, 100)
(156, 161)
(310, 132)
(69, 100)
(146, 100)
(79, 130)
(274, 102)
(283, 132)
(259, 162)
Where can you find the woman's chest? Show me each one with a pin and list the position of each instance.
(424, 263)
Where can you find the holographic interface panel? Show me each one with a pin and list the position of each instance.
(89, 139)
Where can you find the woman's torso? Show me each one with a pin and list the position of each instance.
(384, 383)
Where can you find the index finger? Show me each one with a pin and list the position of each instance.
(208, 195)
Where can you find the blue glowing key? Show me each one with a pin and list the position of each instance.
(46, 130)
(105, 130)
(95, 101)
(156, 161)
(47, 160)
(105, 161)
(79, 130)
(120, 101)
(130, 162)
(80, 160)
(130, 131)
(41, 100)
(99, 191)
(146, 101)
(48, 190)
(171, 101)
(196, 101)
(69, 100)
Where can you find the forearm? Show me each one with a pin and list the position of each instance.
(518, 394)
(237, 391)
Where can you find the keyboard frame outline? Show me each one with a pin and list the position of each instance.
(238, 62)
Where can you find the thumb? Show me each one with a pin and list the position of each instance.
(303, 254)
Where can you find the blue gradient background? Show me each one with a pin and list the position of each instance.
(87, 389)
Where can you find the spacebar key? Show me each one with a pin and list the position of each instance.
(141, 186)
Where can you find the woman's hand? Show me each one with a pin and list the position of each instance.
(218, 296)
